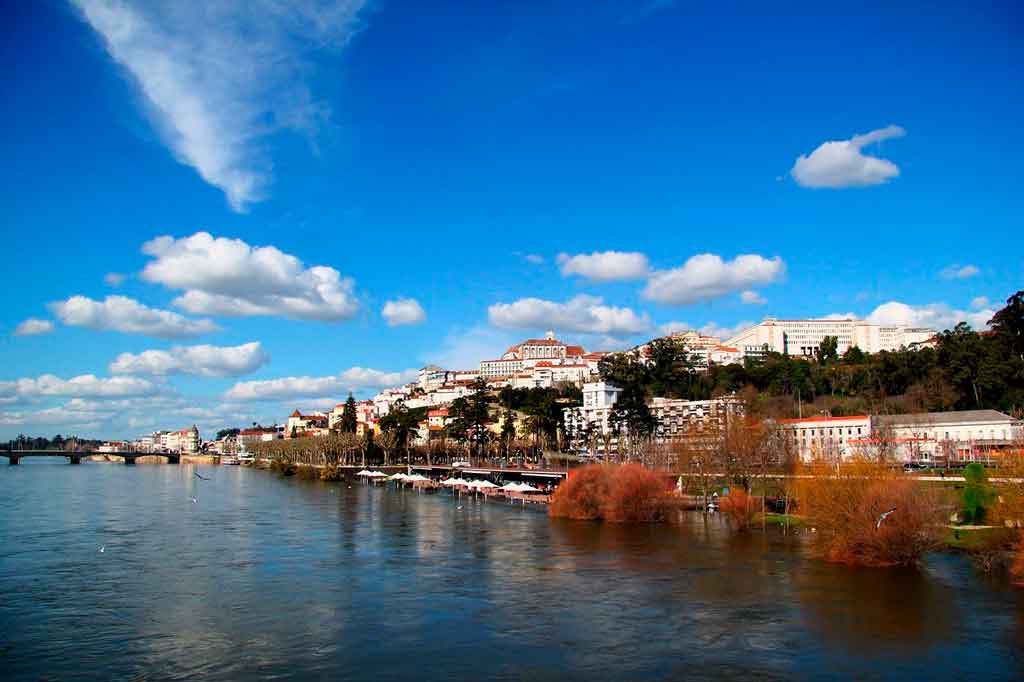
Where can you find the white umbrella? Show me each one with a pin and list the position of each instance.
(449, 482)
(398, 477)
(511, 487)
(416, 478)
(364, 472)
(377, 474)
(527, 488)
(483, 484)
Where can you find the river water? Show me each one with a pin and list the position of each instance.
(265, 578)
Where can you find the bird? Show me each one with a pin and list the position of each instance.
(195, 501)
(459, 508)
(200, 476)
(103, 549)
(883, 517)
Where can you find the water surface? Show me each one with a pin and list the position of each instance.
(264, 578)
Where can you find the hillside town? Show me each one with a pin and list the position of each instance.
(587, 426)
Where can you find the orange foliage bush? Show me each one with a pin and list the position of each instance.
(1017, 566)
(583, 495)
(845, 504)
(739, 507)
(613, 493)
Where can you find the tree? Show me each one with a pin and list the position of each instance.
(224, 433)
(828, 350)
(387, 441)
(471, 416)
(977, 495)
(508, 430)
(630, 417)
(1008, 324)
(347, 423)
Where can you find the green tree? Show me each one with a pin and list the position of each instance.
(828, 350)
(347, 423)
(977, 495)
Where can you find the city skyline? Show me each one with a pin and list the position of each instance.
(188, 213)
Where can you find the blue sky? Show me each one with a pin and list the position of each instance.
(344, 155)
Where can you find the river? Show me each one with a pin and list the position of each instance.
(269, 578)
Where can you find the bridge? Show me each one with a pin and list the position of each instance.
(75, 457)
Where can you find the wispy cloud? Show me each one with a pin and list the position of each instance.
(959, 271)
(843, 163)
(353, 379)
(221, 76)
(33, 327)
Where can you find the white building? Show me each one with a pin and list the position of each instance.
(184, 441)
(673, 417)
(598, 399)
(804, 337)
(934, 437)
(529, 354)
(676, 418)
(828, 438)
(940, 437)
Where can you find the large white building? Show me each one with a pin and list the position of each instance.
(528, 354)
(804, 337)
(674, 418)
(933, 437)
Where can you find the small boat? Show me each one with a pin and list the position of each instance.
(230, 460)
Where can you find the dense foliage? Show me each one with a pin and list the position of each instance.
(628, 493)
(966, 370)
(58, 442)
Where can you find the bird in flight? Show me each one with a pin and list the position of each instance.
(883, 517)
(103, 549)
(195, 501)
(200, 476)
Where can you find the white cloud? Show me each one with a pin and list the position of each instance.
(229, 277)
(123, 314)
(842, 163)
(752, 298)
(221, 77)
(202, 360)
(937, 316)
(113, 279)
(959, 272)
(586, 314)
(706, 276)
(353, 379)
(33, 327)
(534, 259)
(403, 311)
(605, 266)
(84, 386)
(979, 302)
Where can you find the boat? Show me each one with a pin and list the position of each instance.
(230, 460)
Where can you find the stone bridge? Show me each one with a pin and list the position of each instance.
(75, 457)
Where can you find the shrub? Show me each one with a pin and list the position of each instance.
(1017, 567)
(331, 474)
(977, 496)
(582, 496)
(845, 505)
(739, 507)
(283, 467)
(636, 494)
(622, 494)
(307, 473)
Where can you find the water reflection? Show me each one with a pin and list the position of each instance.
(267, 578)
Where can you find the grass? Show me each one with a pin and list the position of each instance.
(784, 519)
(973, 539)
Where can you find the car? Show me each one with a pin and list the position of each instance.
(460, 464)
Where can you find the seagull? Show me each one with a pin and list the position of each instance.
(459, 508)
(195, 501)
(198, 475)
(103, 549)
(883, 517)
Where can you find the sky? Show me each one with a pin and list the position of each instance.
(217, 213)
